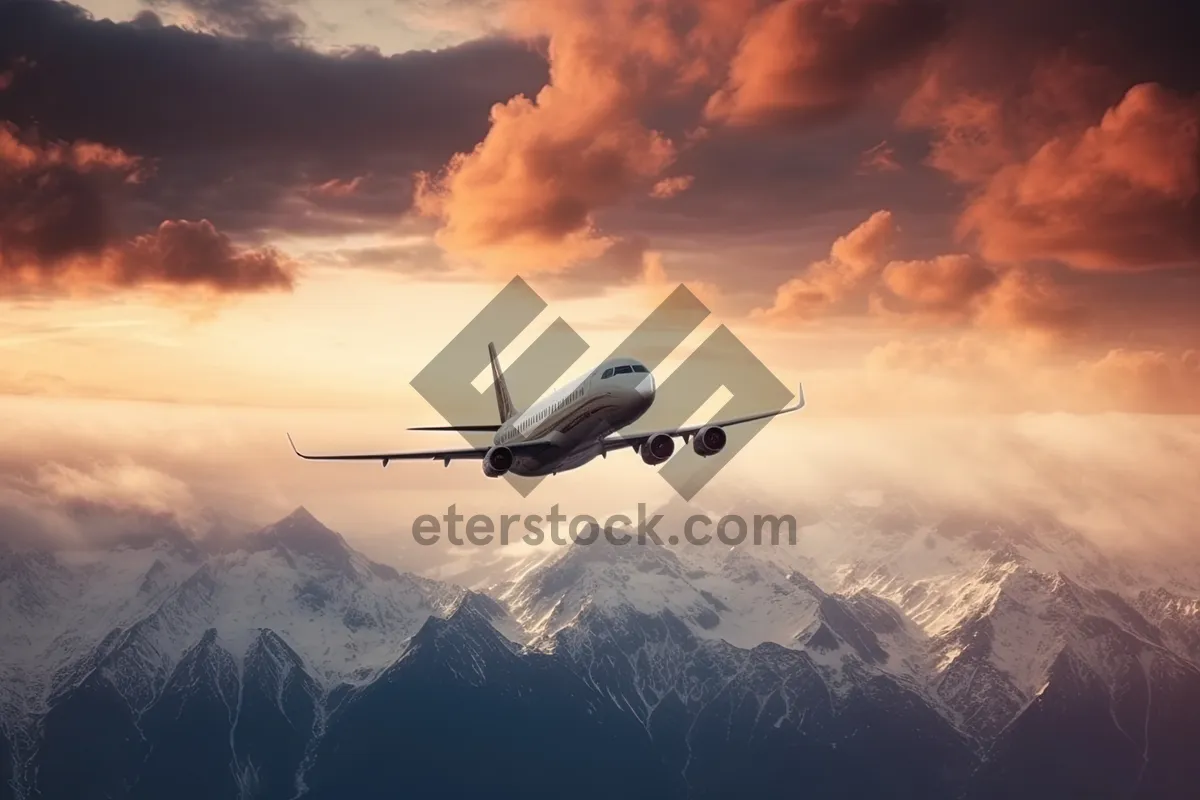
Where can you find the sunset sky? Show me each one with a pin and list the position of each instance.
(224, 219)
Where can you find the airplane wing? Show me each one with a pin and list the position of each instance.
(635, 441)
(475, 453)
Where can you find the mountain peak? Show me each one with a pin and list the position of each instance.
(302, 534)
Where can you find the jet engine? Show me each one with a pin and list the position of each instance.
(709, 441)
(497, 461)
(657, 449)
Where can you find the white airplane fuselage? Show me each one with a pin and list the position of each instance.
(576, 417)
(570, 427)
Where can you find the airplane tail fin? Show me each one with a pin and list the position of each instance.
(504, 402)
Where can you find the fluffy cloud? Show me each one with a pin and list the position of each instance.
(858, 278)
(852, 268)
(184, 253)
(525, 196)
(56, 233)
(801, 59)
(530, 192)
(180, 254)
(1073, 128)
(1122, 194)
(948, 283)
(1149, 380)
(1024, 299)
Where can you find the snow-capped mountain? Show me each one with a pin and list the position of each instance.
(135, 610)
(894, 650)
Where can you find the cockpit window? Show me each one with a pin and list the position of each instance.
(607, 373)
(638, 368)
(623, 370)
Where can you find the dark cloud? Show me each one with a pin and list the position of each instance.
(240, 128)
(56, 233)
(880, 158)
(183, 253)
(255, 19)
(51, 197)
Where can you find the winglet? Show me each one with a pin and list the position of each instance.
(800, 399)
(293, 444)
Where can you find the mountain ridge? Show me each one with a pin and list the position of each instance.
(958, 638)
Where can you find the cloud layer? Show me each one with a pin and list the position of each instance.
(56, 230)
(240, 129)
(859, 168)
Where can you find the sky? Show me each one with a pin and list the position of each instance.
(224, 219)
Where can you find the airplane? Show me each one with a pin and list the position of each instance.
(571, 426)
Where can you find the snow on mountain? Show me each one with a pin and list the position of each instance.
(346, 615)
(997, 600)
(731, 596)
(1176, 616)
(885, 616)
(972, 611)
(60, 606)
(131, 612)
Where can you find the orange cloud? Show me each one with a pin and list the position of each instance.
(1149, 380)
(527, 194)
(858, 278)
(670, 187)
(18, 155)
(1025, 299)
(949, 283)
(961, 288)
(853, 266)
(801, 58)
(1063, 167)
(1120, 195)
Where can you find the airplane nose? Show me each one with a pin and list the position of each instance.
(645, 387)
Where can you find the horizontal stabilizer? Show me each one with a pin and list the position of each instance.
(460, 428)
